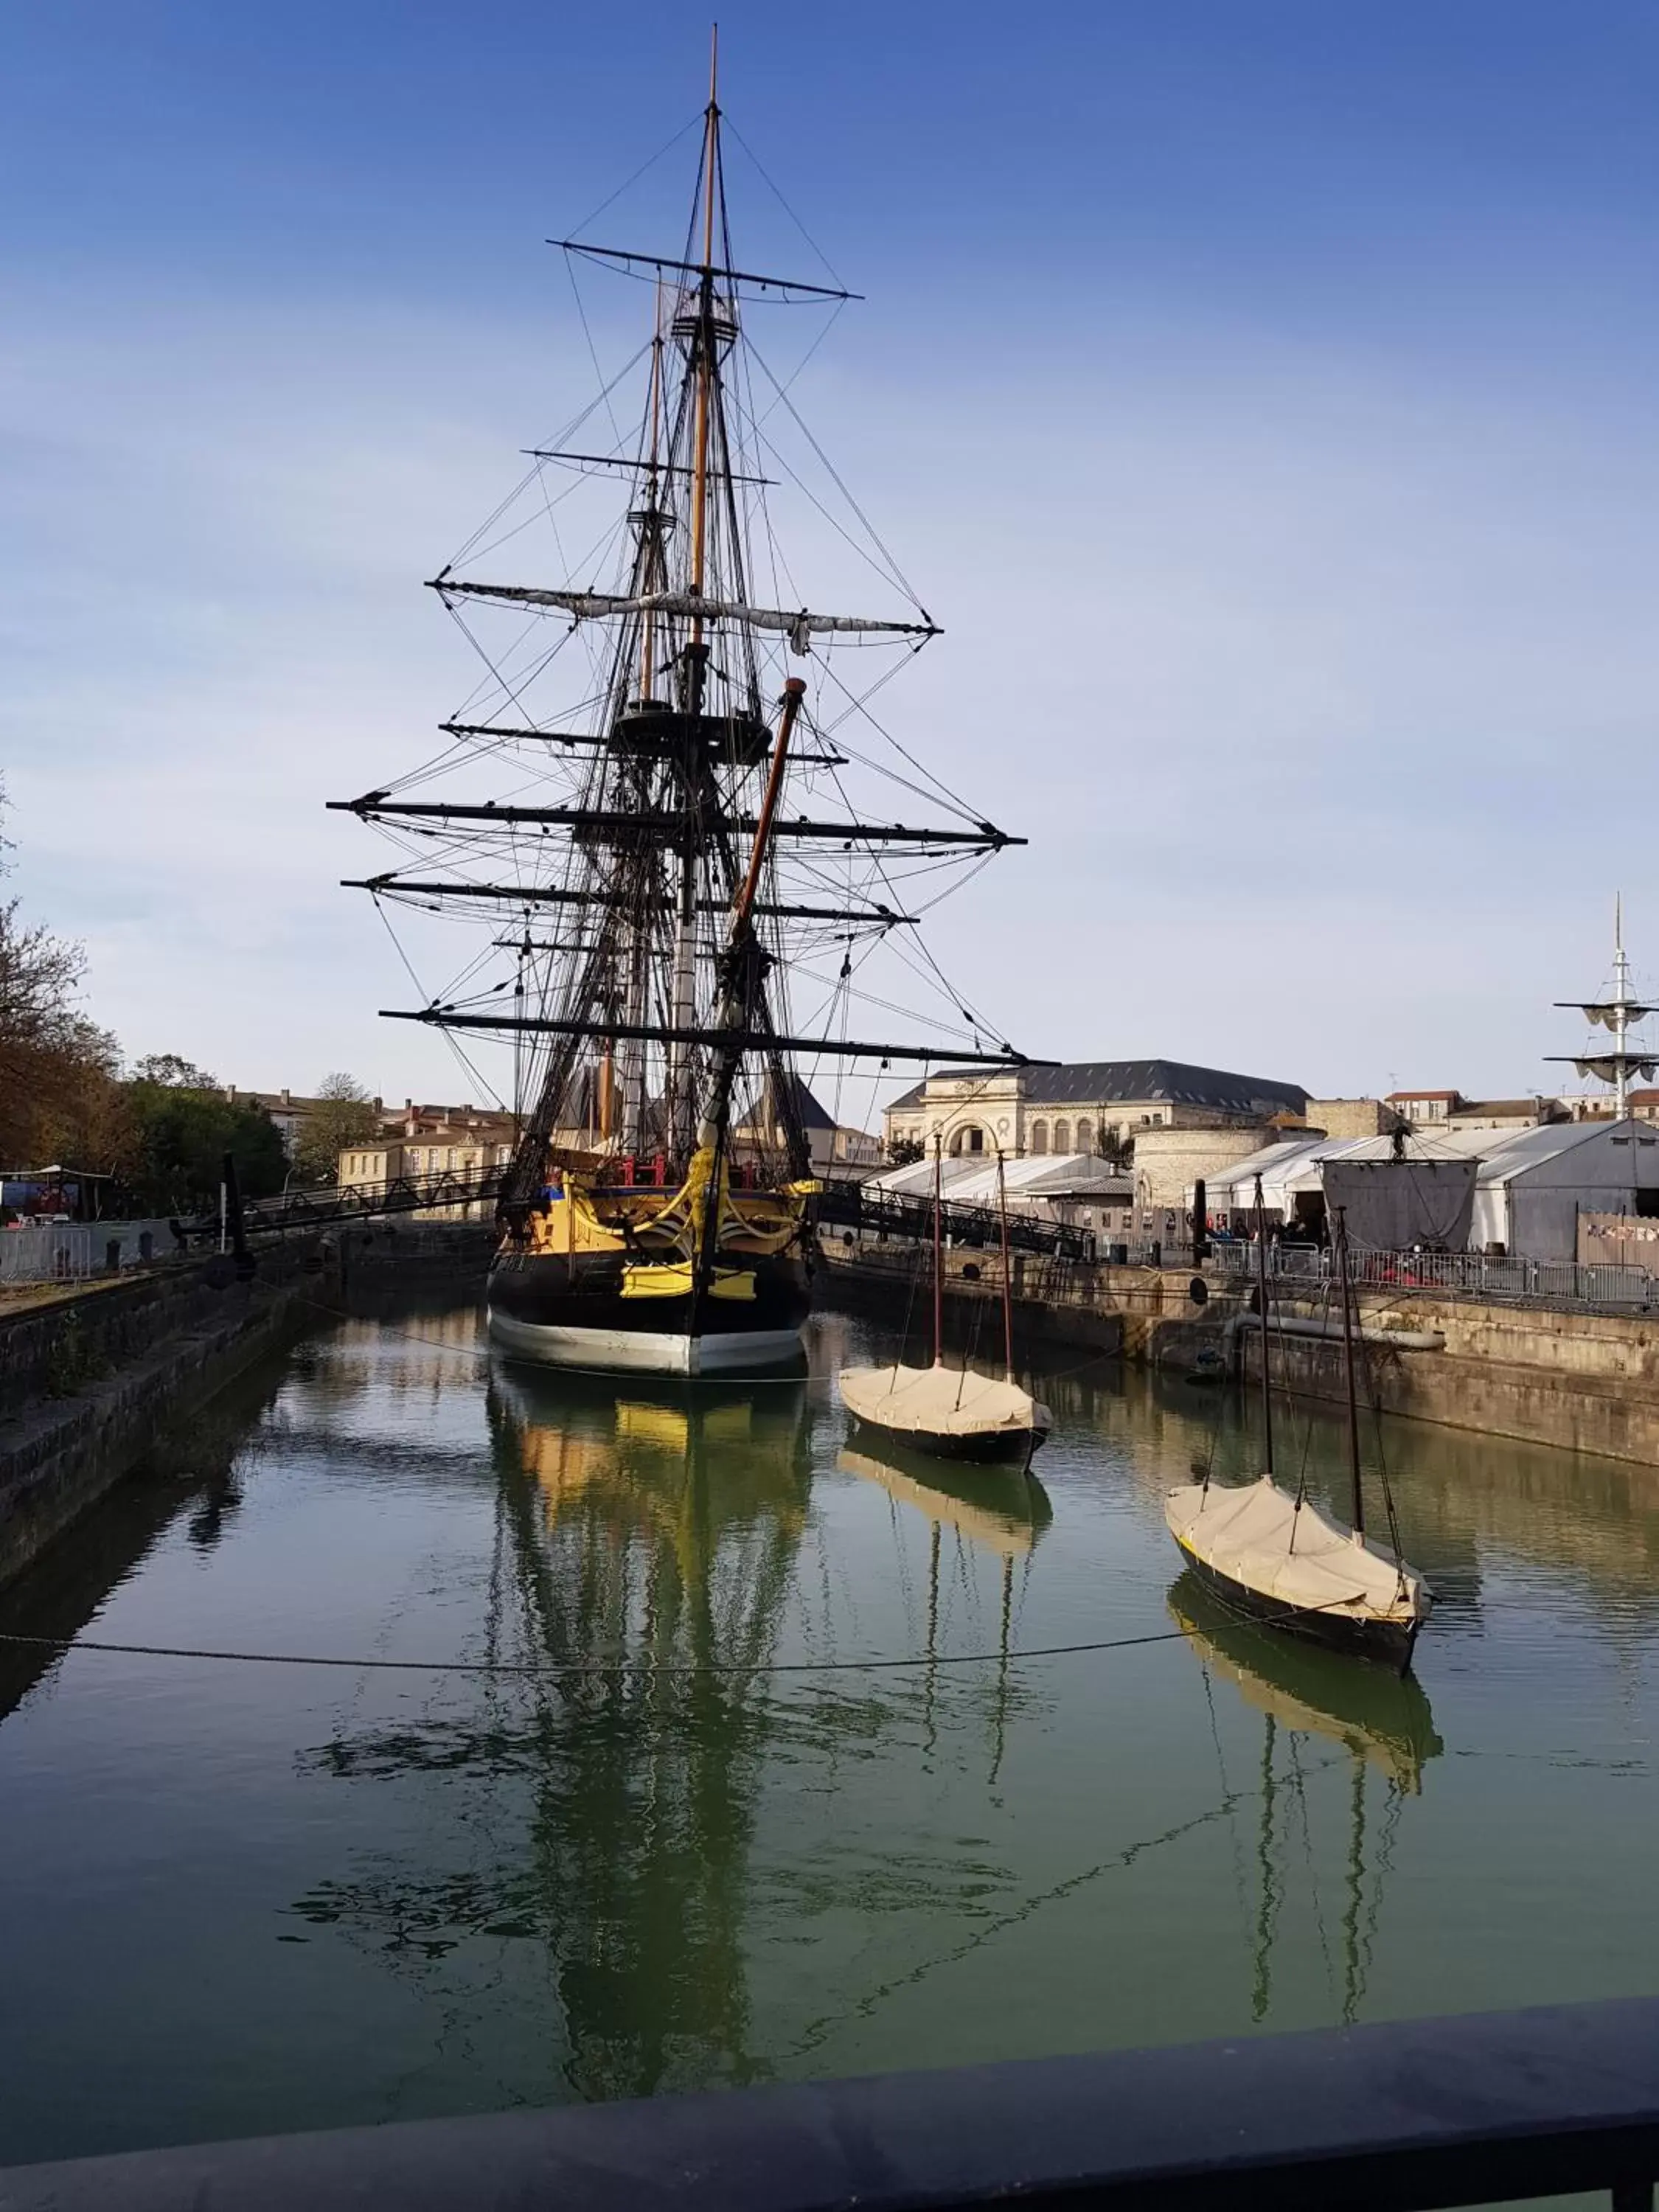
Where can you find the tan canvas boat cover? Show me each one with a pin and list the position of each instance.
(1258, 1537)
(940, 1402)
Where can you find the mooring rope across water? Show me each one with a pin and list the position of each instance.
(543, 1669)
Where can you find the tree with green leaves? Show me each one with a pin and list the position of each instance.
(58, 1069)
(182, 1130)
(344, 1115)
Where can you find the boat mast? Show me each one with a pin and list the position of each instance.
(743, 973)
(1346, 1287)
(1619, 1013)
(1261, 1298)
(648, 622)
(938, 1250)
(648, 843)
(705, 304)
(1007, 1279)
(1622, 1003)
(695, 658)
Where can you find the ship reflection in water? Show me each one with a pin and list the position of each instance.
(644, 1541)
(647, 1549)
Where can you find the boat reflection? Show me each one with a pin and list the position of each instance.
(1381, 1722)
(646, 1539)
(1384, 1719)
(1000, 1508)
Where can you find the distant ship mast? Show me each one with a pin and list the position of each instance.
(1619, 1013)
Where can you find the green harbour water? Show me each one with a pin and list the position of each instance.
(689, 1842)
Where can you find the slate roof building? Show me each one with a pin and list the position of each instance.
(1082, 1107)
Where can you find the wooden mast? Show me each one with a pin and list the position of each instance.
(1346, 1286)
(939, 1249)
(679, 1074)
(1007, 1277)
(1261, 1296)
(648, 625)
(742, 952)
(705, 339)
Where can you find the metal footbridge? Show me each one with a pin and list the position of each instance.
(853, 1209)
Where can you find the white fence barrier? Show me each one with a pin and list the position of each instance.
(76, 1252)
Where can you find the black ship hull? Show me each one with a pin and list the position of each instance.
(1389, 1645)
(574, 1312)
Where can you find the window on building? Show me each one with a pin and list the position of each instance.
(1039, 1136)
(1085, 1136)
(1062, 1136)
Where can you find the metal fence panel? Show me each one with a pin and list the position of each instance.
(76, 1251)
(1454, 1274)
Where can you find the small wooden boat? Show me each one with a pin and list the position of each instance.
(1280, 1560)
(951, 1412)
(948, 1410)
(1276, 1557)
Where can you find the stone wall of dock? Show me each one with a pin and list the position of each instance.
(1584, 1382)
(92, 1376)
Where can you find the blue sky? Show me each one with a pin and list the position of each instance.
(1261, 396)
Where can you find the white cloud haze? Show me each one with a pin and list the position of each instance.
(1320, 680)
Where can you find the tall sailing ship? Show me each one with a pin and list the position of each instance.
(660, 881)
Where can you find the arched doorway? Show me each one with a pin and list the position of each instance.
(971, 1138)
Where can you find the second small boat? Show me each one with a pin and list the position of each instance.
(951, 1411)
(1274, 1555)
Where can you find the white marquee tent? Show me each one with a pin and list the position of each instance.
(1530, 1184)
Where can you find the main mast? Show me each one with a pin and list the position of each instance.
(681, 1103)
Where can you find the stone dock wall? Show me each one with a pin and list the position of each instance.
(88, 1377)
(87, 1381)
(1584, 1382)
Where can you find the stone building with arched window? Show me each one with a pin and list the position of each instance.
(1093, 1106)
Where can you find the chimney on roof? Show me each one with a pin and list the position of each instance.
(285, 1096)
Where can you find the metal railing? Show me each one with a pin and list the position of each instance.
(855, 1206)
(1497, 2108)
(1454, 1274)
(363, 1201)
(79, 1251)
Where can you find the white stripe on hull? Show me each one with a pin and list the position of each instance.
(645, 1352)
